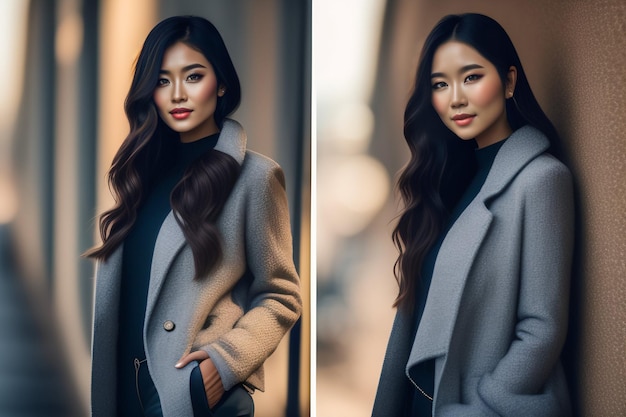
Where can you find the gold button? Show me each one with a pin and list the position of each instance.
(169, 325)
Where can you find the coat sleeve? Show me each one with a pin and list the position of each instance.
(274, 295)
(525, 376)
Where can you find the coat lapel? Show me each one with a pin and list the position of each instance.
(232, 140)
(458, 251)
(169, 242)
(461, 244)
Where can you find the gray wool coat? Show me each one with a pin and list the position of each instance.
(239, 322)
(496, 315)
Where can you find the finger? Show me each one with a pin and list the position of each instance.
(212, 382)
(198, 355)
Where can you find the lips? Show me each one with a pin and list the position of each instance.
(180, 113)
(463, 119)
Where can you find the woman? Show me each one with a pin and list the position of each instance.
(195, 280)
(484, 239)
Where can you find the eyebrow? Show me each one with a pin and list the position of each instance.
(461, 70)
(184, 69)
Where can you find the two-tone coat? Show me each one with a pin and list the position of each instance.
(238, 314)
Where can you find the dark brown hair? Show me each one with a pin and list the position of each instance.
(200, 195)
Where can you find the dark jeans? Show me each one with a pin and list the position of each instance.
(146, 391)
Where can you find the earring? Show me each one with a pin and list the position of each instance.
(509, 94)
(222, 90)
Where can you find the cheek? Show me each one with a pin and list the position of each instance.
(440, 104)
(159, 100)
(208, 90)
(488, 94)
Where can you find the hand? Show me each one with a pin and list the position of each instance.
(210, 377)
(198, 355)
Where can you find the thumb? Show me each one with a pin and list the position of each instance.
(198, 355)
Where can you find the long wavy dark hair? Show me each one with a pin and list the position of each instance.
(200, 195)
(429, 183)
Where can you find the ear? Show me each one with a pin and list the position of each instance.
(221, 90)
(511, 79)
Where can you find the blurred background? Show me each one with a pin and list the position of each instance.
(66, 68)
(365, 54)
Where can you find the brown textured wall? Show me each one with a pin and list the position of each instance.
(574, 53)
(594, 61)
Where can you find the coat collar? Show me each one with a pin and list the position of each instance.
(170, 240)
(232, 140)
(461, 245)
(524, 145)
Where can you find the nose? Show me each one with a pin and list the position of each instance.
(178, 93)
(458, 98)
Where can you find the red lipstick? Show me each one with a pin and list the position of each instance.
(180, 113)
(463, 119)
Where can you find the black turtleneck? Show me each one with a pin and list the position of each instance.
(424, 374)
(136, 265)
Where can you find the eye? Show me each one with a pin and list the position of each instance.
(162, 82)
(439, 85)
(194, 77)
(473, 77)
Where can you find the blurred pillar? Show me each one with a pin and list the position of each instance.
(123, 27)
(33, 135)
(76, 46)
(13, 19)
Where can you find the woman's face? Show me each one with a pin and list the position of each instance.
(468, 95)
(186, 93)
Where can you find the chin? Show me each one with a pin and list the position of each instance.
(464, 134)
